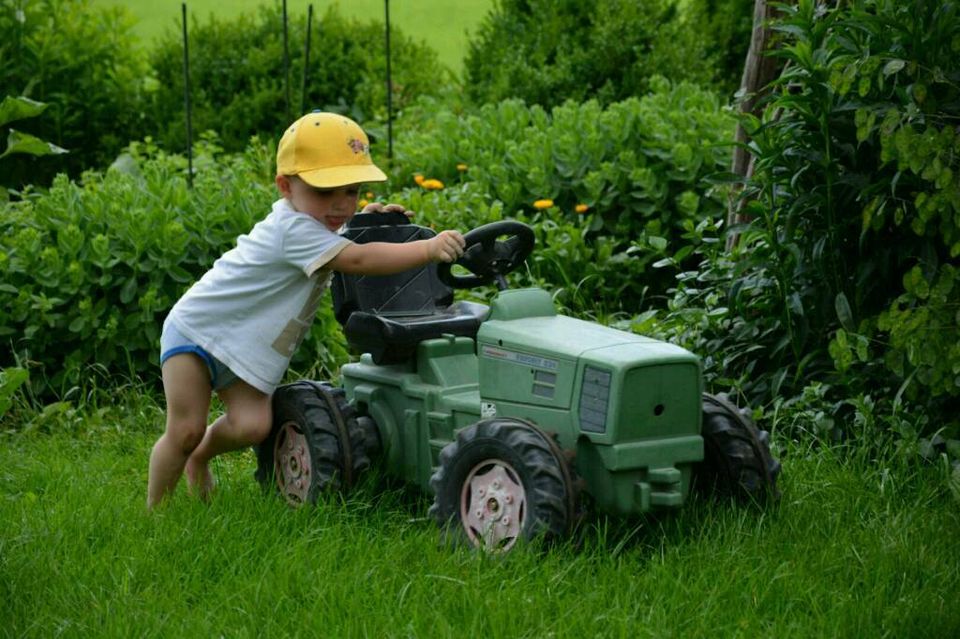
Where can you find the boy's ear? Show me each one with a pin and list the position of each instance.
(283, 184)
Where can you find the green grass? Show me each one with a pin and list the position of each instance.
(853, 550)
(442, 24)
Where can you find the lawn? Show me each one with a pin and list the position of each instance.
(857, 547)
(444, 25)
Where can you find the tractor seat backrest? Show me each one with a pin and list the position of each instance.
(415, 291)
(389, 315)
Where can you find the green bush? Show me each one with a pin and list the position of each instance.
(847, 274)
(18, 143)
(81, 60)
(237, 74)
(638, 166)
(546, 52)
(90, 268)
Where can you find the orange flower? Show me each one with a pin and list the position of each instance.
(542, 204)
(462, 167)
(431, 184)
(369, 195)
(581, 208)
(418, 179)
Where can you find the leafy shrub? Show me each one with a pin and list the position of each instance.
(81, 60)
(847, 274)
(546, 52)
(15, 110)
(90, 269)
(237, 74)
(636, 169)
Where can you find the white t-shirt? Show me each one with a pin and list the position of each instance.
(254, 307)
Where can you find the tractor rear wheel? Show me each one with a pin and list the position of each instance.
(737, 459)
(315, 444)
(503, 480)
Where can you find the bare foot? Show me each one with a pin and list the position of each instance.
(200, 480)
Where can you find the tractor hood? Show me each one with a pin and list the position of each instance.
(530, 355)
(524, 320)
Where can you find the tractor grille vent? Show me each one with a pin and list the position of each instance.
(594, 397)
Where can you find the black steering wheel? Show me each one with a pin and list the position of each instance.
(488, 258)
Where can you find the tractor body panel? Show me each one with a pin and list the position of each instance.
(418, 406)
(628, 405)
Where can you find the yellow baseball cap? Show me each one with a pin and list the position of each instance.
(327, 150)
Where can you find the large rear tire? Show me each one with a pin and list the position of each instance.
(737, 459)
(502, 481)
(315, 445)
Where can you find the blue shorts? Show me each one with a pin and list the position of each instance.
(173, 342)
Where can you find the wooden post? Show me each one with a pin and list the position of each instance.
(758, 71)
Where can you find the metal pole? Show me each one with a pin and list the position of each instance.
(286, 61)
(306, 62)
(186, 97)
(386, 8)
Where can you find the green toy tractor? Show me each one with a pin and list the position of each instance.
(506, 414)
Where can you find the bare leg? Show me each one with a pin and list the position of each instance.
(186, 384)
(246, 423)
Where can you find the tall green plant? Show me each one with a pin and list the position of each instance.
(856, 199)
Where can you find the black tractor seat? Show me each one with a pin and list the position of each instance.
(388, 315)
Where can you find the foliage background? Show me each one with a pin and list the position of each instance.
(425, 21)
(835, 317)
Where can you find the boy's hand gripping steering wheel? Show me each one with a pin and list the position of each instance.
(488, 258)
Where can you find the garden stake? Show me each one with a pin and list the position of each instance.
(306, 61)
(286, 61)
(386, 10)
(186, 97)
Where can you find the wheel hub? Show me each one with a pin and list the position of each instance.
(292, 464)
(493, 505)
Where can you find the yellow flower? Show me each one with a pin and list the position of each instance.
(581, 208)
(418, 179)
(363, 203)
(431, 184)
(462, 167)
(542, 204)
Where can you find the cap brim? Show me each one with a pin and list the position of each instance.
(342, 175)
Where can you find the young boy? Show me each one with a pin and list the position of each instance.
(235, 330)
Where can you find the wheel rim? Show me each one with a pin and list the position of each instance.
(292, 467)
(493, 505)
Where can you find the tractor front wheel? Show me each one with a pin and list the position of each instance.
(737, 459)
(503, 480)
(315, 444)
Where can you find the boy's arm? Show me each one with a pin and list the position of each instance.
(384, 258)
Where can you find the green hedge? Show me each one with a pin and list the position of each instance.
(640, 166)
(547, 51)
(90, 268)
(237, 74)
